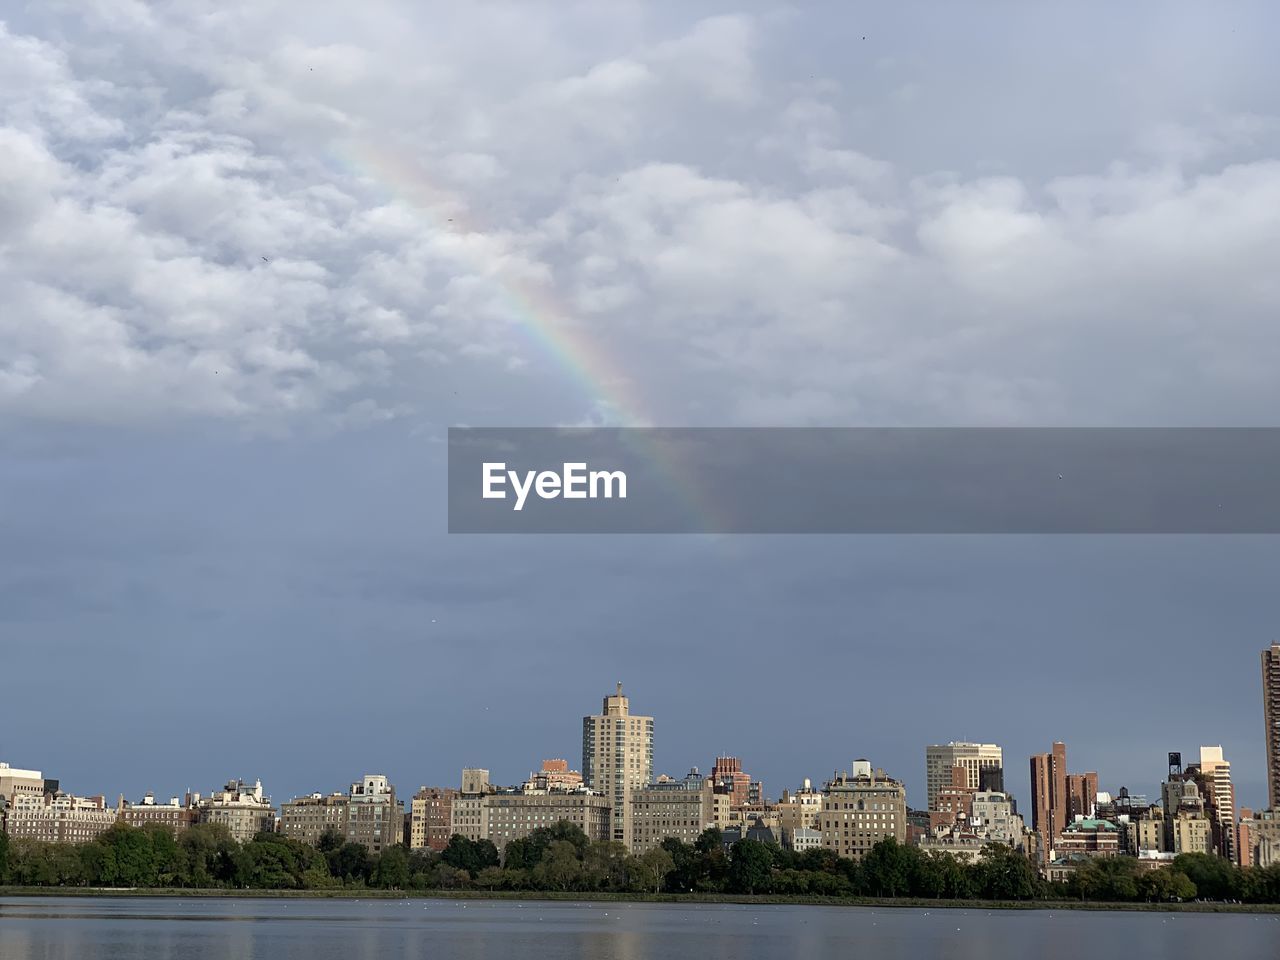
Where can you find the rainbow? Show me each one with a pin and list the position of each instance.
(541, 316)
(547, 322)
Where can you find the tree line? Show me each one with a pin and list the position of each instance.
(561, 858)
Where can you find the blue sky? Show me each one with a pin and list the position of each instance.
(221, 476)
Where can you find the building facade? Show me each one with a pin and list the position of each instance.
(617, 758)
(514, 815)
(368, 814)
(675, 808)
(983, 764)
(175, 815)
(58, 817)
(1049, 794)
(1271, 716)
(860, 809)
(431, 818)
(244, 810)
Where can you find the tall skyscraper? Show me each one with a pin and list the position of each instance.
(1271, 712)
(617, 757)
(1215, 774)
(983, 764)
(1049, 794)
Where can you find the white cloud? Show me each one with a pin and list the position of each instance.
(237, 213)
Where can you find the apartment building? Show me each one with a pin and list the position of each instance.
(368, 814)
(983, 764)
(58, 817)
(431, 818)
(243, 809)
(175, 815)
(673, 808)
(861, 808)
(617, 758)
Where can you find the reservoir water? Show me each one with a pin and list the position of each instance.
(142, 928)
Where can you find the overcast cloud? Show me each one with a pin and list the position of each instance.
(255, 257)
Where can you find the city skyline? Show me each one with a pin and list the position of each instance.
(1058, 786)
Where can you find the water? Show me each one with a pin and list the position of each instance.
(123, 928)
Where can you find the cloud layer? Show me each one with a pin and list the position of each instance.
(268, 218)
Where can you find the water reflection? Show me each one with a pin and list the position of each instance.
(247, 929)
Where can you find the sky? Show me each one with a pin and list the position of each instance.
(256, 258)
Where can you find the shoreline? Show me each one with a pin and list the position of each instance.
(669, 898)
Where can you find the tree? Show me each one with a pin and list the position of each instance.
(4, 857)
(1215, 878)
(392, 869)
(887, 868)
(1005, 874)
(750, 867)
(559, 868)
(654, 865)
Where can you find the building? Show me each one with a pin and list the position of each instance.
(554, 775)
(953, 803)
(727, 777)
(1082, 795)
(801, 839)
(964, 844)
(431, 818)
(993, 817)
(860, 809)
(1260, 838)
(1187, 826)
(310, 818)
(375, 818)
(368, 814)
(617, 758)
(983, 764)
(681, 809)
(515, 814)
(1220, 799)
(1144, 832)
(1088, 838)
(467, 814)
(799, 810)
(15, 782)
(1271, 714)
(176, 816)
(1049, 794)
(242, 809)
(58, 817)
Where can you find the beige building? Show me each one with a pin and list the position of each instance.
(174, 815)
(617, 758)
(681, 809)
(983, 764)
(860, 809)
(515, 815)
(468, 815)
(431, 818)
(1220, 800)
(241, 808)
(799, 810)
(1146, 835)
(367, 814)
(58, 818)
(994, 819)
(554, 775)
(1260, 837)
(15, 782)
